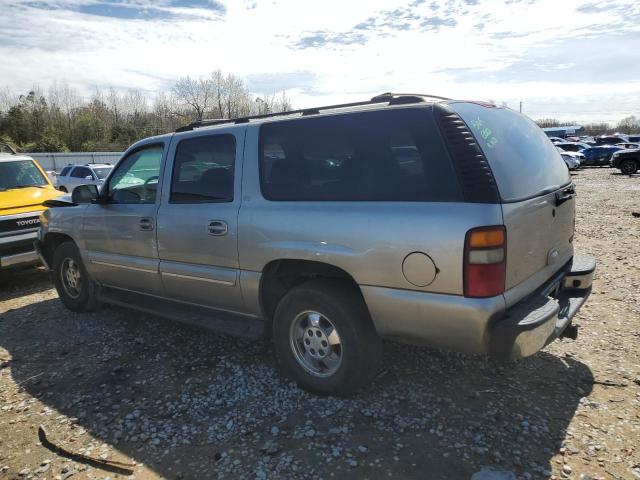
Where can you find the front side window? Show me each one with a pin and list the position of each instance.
(135, 179)
(203, 170)
(20, 174)
(81, 172)
(394, 155)
(64, 171)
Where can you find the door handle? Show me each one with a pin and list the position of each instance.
(217, 227)
(146, 223)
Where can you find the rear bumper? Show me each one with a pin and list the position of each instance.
(18, 250)
(483, 325)
(545, 315)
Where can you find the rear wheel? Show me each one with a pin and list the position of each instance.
(629, 167)
(63, 189)
(75, 288)
(324, 338)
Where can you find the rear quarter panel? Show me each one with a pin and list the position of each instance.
(369, 240)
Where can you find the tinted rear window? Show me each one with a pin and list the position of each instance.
(393, 155)
(524, 162)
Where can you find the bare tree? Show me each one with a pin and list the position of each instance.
(629, 124)
(7, 99)
(136, 106)
(115, 106)
(219, 88)
(197, 94)
(65, 101)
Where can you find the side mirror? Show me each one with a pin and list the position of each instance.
(84, 194)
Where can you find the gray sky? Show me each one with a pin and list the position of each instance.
(568, 59)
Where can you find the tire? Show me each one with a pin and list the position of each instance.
(63, 189)
(305, 315)
(629, 167)
(75, 287)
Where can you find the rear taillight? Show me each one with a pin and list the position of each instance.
(485, 260)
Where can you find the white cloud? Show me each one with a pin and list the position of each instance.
(540, 52)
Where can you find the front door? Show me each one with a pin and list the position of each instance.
(120, 233)
(197, 219)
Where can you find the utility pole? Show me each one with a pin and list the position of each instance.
(520, 106)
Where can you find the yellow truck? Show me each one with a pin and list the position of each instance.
(24, 187)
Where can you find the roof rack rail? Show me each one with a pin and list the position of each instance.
(388, 97)
(404, 96)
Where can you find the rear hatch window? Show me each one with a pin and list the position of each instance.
(524, 162)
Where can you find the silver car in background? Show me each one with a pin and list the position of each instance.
(73, 176)
(408, 217)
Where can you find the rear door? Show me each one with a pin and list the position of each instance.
(198, 219)
(536, 192)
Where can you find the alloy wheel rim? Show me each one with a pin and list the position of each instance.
(316, 343)
(71, 278)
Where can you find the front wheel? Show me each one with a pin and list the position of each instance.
(325, 339)
(75, 288)
(629, 167)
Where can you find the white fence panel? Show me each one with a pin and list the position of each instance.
(56, 161)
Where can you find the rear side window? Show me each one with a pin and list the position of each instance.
(524, 162)
(203, 170)
(393, 155)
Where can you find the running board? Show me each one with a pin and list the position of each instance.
(219, 321)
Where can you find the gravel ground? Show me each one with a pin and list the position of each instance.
(183, 403)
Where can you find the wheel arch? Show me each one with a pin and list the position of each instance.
(280, 276)
(51, 241)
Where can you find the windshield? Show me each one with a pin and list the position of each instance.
(524, 162)
(102, 173)
(20, 174)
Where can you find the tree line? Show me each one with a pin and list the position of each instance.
(61, 119)
(110, 120)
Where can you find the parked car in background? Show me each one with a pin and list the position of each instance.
(572, 162)
(572, 159)
(24, 187)
(627, 161)
(556, 140)
(611, 139)
(90, 174)
(628, 146)
(634, 137)
(598, 156)
(263, 226)
(572, 146)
